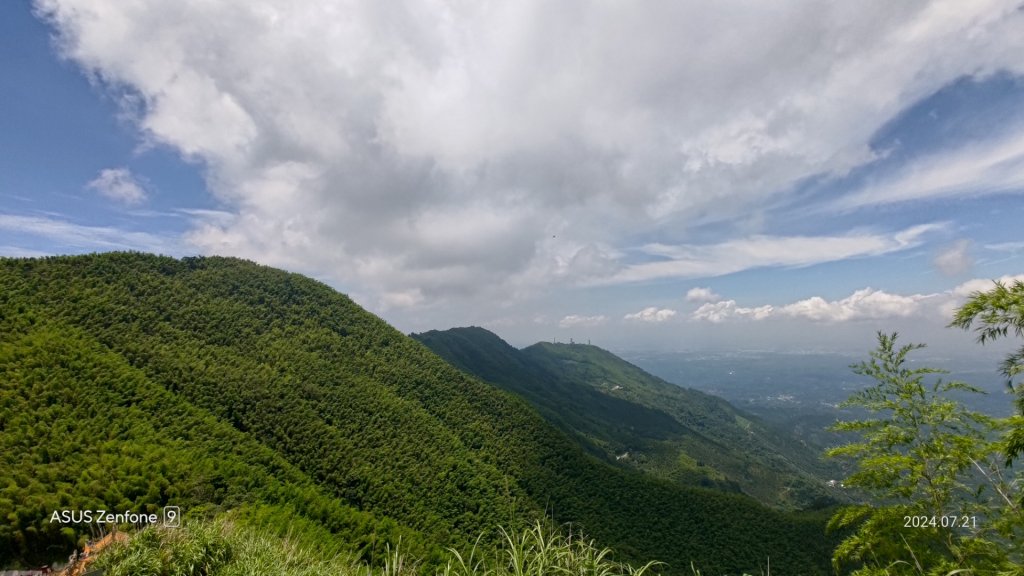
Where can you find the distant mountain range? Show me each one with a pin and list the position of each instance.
(129, 382)
(629, 417)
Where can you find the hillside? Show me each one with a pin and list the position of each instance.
(635, 419)
(284, 393)
(604, 424)
(767, 463)
(80, 429)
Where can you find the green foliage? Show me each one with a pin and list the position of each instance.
(994, 315)
(224, 548)
(725, 443)
(931, 469)
(82, 430)
(132, 381)
(997, 313)
(541, 550)
(627, 416)
(221, 548)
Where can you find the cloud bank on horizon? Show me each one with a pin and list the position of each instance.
(445, 156)
(863, 304)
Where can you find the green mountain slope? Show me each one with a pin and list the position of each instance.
(603, 423)
(768, 464)
(276, 372)
(83, 430)
(635, 419)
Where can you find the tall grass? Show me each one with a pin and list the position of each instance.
(223, 548)
(218, 548)
(540, 551)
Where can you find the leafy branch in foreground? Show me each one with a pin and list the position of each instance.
(997, 312)
(994, 315)
(932, 469)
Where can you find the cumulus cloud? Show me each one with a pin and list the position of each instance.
(438, 145)
(864, 304)
(120, 185)
(573, 320)
(698, 294)
(718, 312)
(968, 288)
(955, 259)
(651, 314)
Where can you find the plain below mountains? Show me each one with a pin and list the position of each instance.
(130, 381)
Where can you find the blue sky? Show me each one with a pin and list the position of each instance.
(793, 176)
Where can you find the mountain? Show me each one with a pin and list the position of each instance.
(133, 381)
(628, 416)
(603, 423)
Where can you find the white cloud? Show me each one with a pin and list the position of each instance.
(699, 294)
(438, 145)
(862, 304)
(221, 216)
(120, 185)
(19, 252)
(651, 314)
(974, 168)
(718, 312)
(701, 261)
(1006, 246)
(574, 320)
(405, 299)
(81, 237)
(955, 259)
(968, 288)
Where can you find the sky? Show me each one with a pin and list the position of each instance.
(795, 175)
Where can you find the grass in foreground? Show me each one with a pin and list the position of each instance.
(223, 548)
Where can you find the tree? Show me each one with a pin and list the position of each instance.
(994, 315)
(922, 458)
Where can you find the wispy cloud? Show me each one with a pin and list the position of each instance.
(70, 236)
(19, 252)
(702, 261)
(1006, 246)
(120, 185)
(955, 259)
(973, 169)
(220, 216)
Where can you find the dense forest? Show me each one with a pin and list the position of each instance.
(632, 418)
(131, 381)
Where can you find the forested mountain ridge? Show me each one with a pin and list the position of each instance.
(768, 463)
(595, 418)
(297, 378)
(636, 419)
